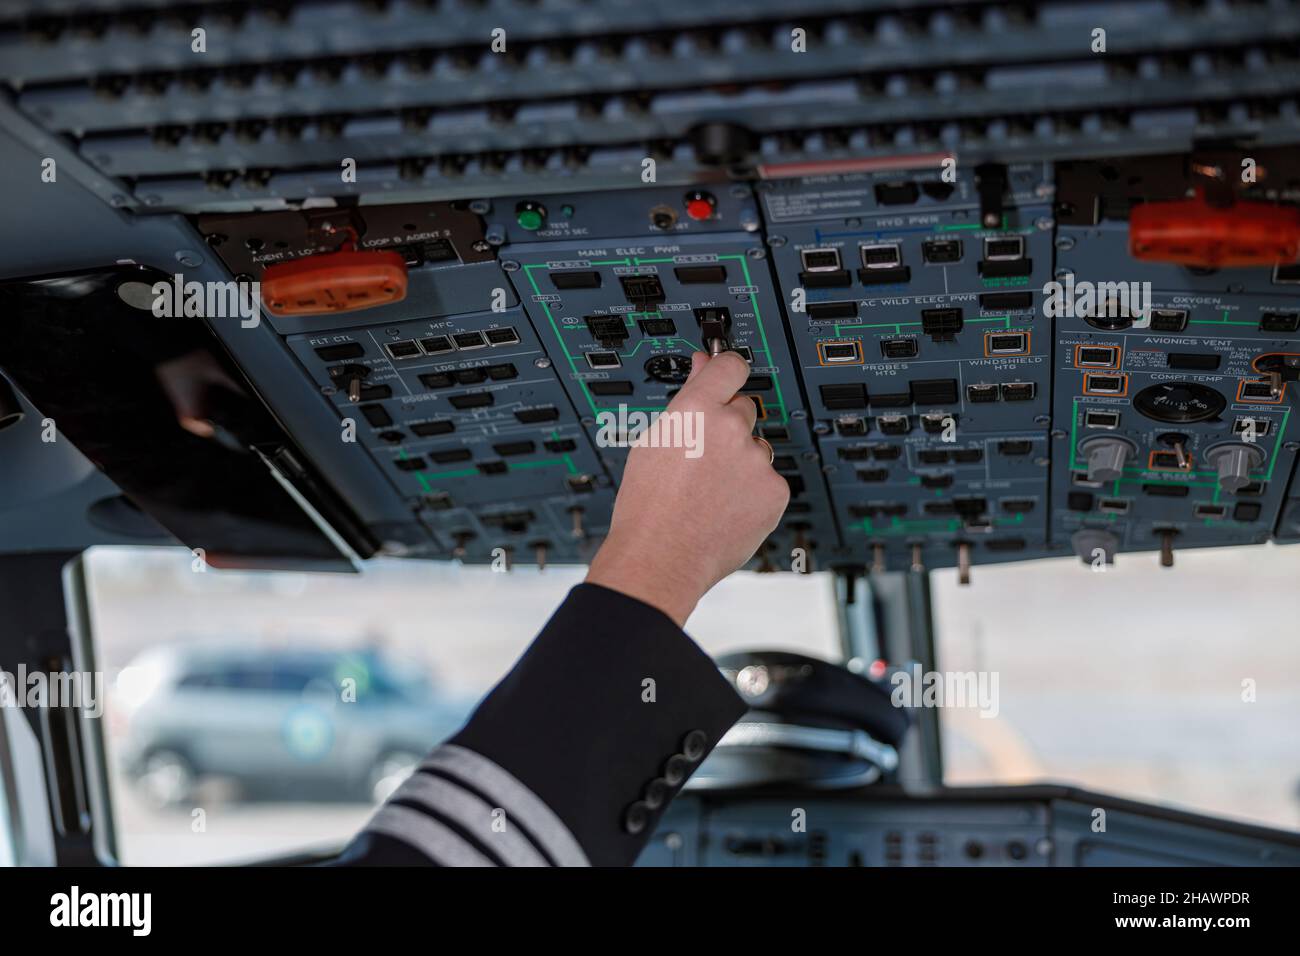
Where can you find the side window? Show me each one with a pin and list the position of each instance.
(370, 680)
(242, 677)
(385, 689)
(196, 680)
(296, 678)
(1090, 682)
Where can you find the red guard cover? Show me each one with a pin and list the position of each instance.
(334, 282)
(1192, 232)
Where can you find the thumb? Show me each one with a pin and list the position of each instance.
(698, 361)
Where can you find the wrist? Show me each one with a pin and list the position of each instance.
(674, 590)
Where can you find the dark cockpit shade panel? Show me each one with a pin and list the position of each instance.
(93, 364)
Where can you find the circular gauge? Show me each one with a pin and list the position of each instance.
(1179, 402)
(672, 369)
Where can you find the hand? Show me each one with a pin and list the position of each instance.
(681, 524)
(186, 380)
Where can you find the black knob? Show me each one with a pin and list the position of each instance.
(721, 144)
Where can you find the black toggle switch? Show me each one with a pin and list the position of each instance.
(991, 183)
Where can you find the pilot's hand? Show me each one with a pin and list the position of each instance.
(188, 382)
(686, 517)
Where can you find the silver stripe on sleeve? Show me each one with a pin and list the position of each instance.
(516, 799)
(436, 841)
(473, 814)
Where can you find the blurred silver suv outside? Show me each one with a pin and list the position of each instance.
(318, 724)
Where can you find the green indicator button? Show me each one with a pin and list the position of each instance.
(530, 216)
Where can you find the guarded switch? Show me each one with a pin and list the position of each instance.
(1234, 464)
(1106, 457)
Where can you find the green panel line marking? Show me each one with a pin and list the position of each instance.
(924, 526)
(402, 456)
(657, 344)
(1224, 321)
(566, 458)
(962, 227)
(1004, 319)
(519, 465)
(424, 482)
(640, 342)
(1277, 445)
(473, 472)
(762, 334)
(896, 326)
(528, 272)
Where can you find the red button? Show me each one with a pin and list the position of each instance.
(699, 209)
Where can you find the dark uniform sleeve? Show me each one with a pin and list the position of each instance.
(573, 757)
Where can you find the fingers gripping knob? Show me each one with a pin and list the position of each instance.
(720, 378)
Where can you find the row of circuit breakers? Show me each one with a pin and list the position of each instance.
(923, 406)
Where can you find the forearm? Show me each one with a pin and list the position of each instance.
(575, 754)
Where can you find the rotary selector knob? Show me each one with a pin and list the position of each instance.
(1234, 463)
(1106, 457)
